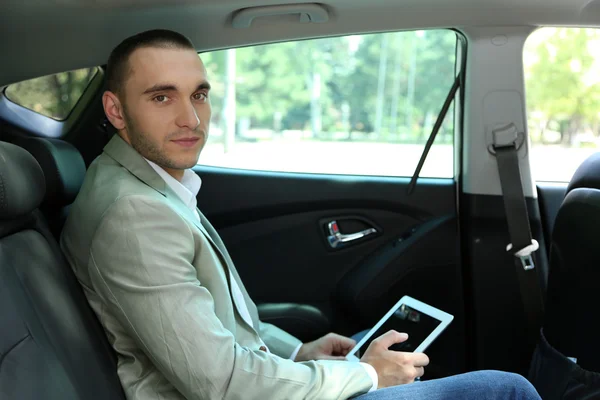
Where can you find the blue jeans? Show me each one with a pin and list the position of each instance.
(479, 385)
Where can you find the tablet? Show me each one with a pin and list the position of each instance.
(422, 322)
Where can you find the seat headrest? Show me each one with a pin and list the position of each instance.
(587, 175)
(22, 184)
(63, 168)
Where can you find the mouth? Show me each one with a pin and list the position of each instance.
(187, 142)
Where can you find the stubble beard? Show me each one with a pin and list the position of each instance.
(150, 150)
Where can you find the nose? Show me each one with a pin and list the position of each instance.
(187, 116)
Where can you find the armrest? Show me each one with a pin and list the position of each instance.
(305, 322)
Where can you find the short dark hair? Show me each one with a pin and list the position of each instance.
(117, 68)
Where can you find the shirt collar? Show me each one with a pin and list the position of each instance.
(187, 189)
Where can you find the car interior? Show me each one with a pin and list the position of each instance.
(327, 230)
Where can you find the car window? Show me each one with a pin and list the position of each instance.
(346, 105)
(54, 96)
(562, 75)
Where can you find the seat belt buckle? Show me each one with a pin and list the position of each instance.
(527, 262)
(525, 254)
(506, 135)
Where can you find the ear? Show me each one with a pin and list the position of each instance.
(113, 110)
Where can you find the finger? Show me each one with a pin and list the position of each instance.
(420, 371)
(347, 345)
(343, 351)
(342, 340)
(390, 338)
(420, 359)
(341, 344)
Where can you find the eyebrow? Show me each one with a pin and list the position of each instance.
(167, 87)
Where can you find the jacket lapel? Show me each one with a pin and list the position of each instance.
(119, 150)
(128, 157)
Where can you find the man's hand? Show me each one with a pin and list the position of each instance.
(329, 347)
(394, 367)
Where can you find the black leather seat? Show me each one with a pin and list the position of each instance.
(574, 279)
(64, 171)
(51, 344)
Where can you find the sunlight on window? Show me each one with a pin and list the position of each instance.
(349, 105)
(54, 96)
(562, 75)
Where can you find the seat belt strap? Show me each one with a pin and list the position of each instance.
(522, 246)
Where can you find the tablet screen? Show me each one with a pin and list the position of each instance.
(405, 319)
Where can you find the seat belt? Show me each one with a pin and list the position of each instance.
(522, 246)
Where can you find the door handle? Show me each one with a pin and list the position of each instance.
(337, 239)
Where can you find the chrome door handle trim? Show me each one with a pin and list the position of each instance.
(337, 239)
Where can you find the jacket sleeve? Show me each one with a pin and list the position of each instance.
(141, 266)
(279, 341)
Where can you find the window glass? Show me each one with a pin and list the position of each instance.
(347, 105)
(562, 75)
(54, 96)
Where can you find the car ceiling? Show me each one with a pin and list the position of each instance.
(41, 37)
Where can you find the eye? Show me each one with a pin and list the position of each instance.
(161, 98)
(200, 96)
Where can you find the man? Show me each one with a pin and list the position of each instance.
(162, 283)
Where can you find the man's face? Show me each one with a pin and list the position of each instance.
(165, 107)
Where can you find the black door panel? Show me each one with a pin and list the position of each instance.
(275, 227)
(370, 288)
(232, 196)
(286, 258)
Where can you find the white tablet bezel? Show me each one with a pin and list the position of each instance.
(433, 312)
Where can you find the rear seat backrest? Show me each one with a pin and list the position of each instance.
(574, 274)
(51, 344)
(64, 171)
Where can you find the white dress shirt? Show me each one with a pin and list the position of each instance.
(187, 190)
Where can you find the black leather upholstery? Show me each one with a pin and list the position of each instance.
(574, 279)
(63, 166)
(307, 322)
(574, 274)
(64, 171)
(21, 182)
(587, 174)
(51, 344)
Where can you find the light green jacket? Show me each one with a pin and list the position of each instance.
(158, 280)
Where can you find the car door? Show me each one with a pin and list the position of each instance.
(309, 189)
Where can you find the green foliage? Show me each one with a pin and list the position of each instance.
(279, 78)
(54, 95)
(562, 81)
